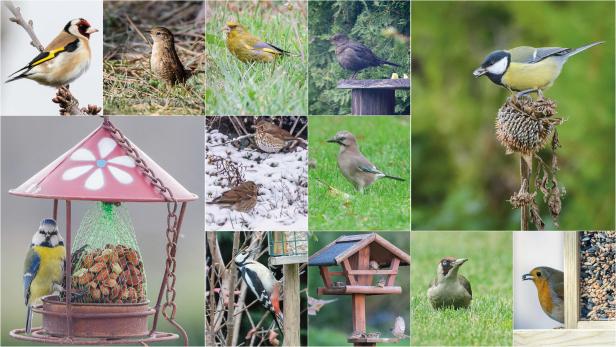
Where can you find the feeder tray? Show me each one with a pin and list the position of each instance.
(371, 341)
(288, 247)
(108, 168)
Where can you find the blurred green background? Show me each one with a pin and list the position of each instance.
(43, 139)
(383, 26)
(333, 323)
(384, 205)
(488, 321)
(461, 175)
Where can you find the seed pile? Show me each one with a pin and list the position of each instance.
(598, 275)
(113, 274)
(524, 125)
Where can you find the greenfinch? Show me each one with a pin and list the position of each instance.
(249, 48)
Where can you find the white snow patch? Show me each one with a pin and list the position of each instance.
(282, 204)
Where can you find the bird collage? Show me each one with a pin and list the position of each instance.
(264, 173)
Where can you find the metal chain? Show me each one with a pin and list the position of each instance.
(169, 307)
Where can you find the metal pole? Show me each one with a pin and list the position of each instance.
(68, 270)
(55, 210)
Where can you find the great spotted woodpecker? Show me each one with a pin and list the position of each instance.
(262, 283)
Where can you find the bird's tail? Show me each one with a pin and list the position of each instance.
(279, 319)
(22, 75)
(583, 48)
(383, 61)
(29, 320)
(394, 178)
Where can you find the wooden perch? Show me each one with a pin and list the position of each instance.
(69, 105)
(374, 97)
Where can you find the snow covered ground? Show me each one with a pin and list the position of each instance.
(282, 203)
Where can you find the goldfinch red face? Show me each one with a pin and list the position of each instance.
(79, 27)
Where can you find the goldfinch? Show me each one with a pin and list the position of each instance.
(64, 59)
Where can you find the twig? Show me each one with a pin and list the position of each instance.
(69, 105)
(526, 163)
(233, 140)
(134, 27)
(19, 19)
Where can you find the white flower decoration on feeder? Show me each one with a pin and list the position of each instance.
(96, 179)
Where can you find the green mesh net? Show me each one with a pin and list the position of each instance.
(107, 266)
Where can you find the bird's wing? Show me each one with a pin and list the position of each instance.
(531, 55)
(557, 283)
(361, 54)
(466, 284)
(48, 55)
(31, 266)
(365, 165)
(266, 47)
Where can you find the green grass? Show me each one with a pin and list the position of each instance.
(488, 321)
(141, 93)
(385, 204)
(237, 88)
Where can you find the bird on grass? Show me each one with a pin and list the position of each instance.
(399, 328)
(448, 288)
(354, 166)
(248, 48)
(272, 139)
(43, 267)
(527, 69)
(354, 56)
(241, 198)
(64, 59)
(164, 60)
(550, 290)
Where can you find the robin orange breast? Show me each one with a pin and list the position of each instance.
(550, 290)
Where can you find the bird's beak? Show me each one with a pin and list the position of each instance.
(226, 29)
(91, 31)
(333, 140)
(479, 72)
(461, 261)
(527, 277)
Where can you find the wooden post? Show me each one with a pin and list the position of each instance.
(374, 97)
(291, 305)
(572, 280)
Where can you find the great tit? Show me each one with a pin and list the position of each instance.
(527, 69)
(43, 267)
(64, 59)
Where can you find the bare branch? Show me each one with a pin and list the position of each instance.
(27, 25)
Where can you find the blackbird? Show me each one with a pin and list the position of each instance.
(354, 56)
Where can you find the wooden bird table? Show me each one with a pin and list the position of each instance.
(374, 97)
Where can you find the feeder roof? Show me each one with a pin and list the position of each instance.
(343, 247)
(99, 169)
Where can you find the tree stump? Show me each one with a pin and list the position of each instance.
(374, 97)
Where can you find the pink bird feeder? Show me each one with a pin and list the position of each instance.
(104, 301)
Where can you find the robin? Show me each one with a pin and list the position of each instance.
(272, 139)
(354, 56)
(354, 166)
(242, 197)
(449, 289)
(550, 291)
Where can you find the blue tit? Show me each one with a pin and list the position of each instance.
(64, 59)
(527, 69)
(44, 266)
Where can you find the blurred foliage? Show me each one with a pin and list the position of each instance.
(383, 26)
(462, 177)
(488, 321)
(333, 323)
(384, 205)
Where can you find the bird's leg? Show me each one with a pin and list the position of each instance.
(525, 92)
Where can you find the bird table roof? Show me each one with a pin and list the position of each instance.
(99, 169)
(344, 247)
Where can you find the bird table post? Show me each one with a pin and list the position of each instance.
(374, 97)
(291, 303)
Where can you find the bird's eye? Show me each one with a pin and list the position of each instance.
(41, 232)
(538, 274)
(158, 33)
